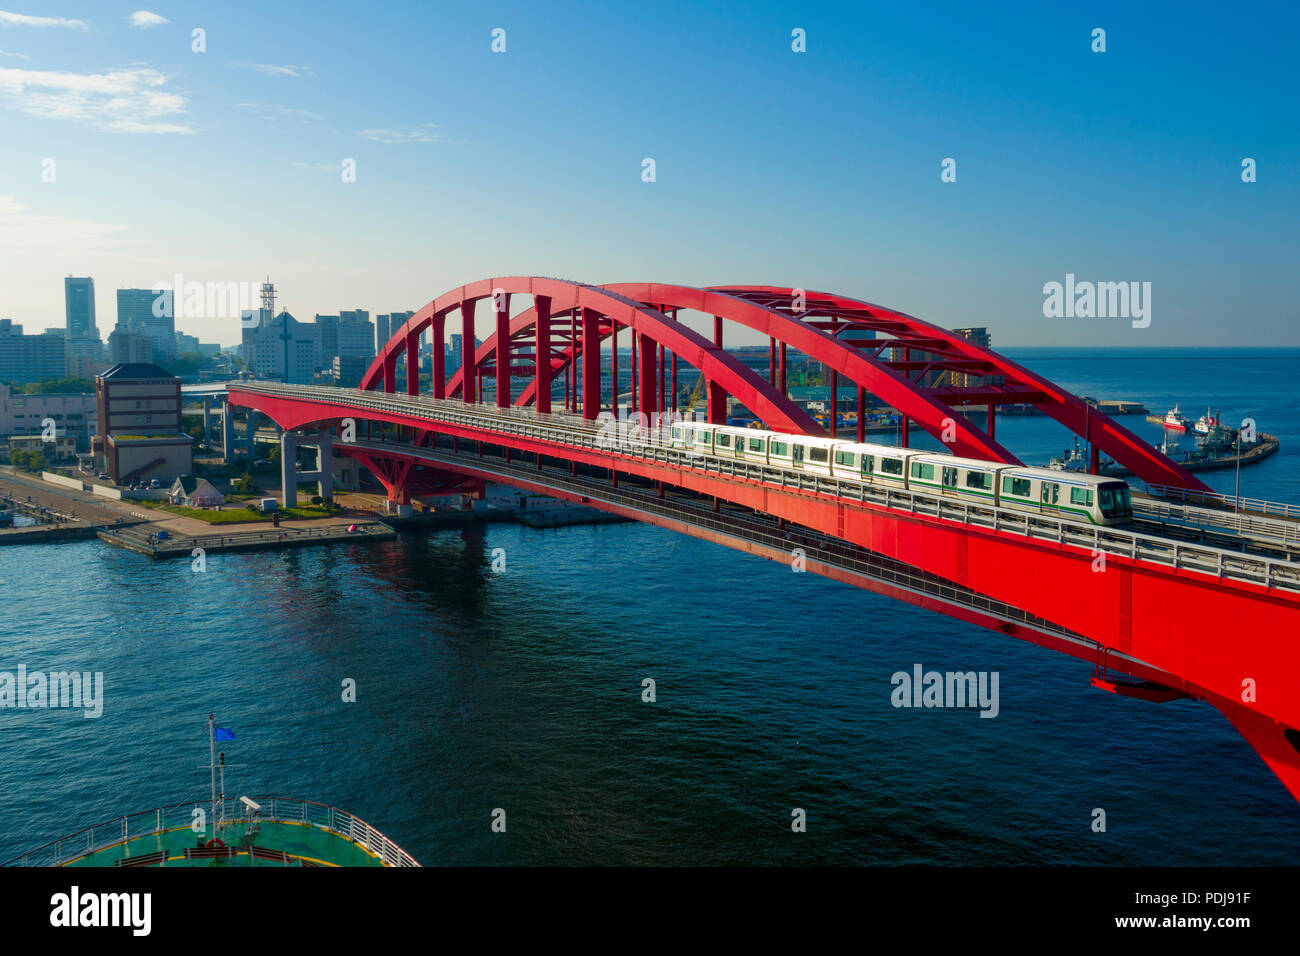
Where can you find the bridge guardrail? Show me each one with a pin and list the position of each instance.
(565, 429)
(1260, 505)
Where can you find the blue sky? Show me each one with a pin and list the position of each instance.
(817, 169)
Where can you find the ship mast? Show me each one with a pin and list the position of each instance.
(212, 767)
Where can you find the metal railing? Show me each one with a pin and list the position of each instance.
(1244, 524)
(1230, 502)
(566, 429)
(178, 816)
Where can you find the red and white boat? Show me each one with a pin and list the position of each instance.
(1206, 423)
(1176, 420)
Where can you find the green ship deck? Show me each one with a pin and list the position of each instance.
(286, 832)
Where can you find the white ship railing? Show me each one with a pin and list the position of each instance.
(178, 816)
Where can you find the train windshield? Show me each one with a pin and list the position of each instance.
(1114, 499)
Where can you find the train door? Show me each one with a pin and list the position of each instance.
(949, 480)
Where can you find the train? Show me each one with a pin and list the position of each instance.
(1090, 499)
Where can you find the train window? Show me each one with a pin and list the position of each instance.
(868, 464)
(677, 434)
(702, 437)
(976, 479)
(779, 448)
(950, 477)
(1079, 496)
(818, 455)
(797, 452)
(1056, 493)
(922, 471)
(844, 458)
(723, 441)
(756, 444)
(1020, 487)
(891, 466)
(1107, 505)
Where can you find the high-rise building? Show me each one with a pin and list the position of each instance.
(327, 334)
(137, 313)
(30, 358)
(386, 326)
(454, 356)
(85, 357)
(79, 305)
(129, 348)
(356, 337)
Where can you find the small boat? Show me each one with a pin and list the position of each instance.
(1206, 423)
(1176, 420)
(1072, 459)
(6, 519)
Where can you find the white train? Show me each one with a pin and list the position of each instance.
(1091, 499)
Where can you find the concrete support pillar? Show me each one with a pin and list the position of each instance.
(250, 432)
(227, 432)
(325, 465)
(288, 470)
(207, 418)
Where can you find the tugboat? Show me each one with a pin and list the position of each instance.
(1207, 423)
(267, 831)
(1176, 420)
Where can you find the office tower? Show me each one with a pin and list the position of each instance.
(79, 305)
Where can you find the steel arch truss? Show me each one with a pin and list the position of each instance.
(921, 370)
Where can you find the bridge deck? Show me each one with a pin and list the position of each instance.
(1250, 560)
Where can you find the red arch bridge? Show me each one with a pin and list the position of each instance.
(1191, 600)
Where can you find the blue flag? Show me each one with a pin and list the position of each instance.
(222, 733)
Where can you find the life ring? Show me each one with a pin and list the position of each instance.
(214, 843)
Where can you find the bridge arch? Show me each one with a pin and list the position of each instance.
(601, 310)
(809, 321)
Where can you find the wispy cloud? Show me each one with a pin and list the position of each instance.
(19, 56)
(424, 133)
(8, 19)
(143, 18)
(121, 101)
(23, 230)
(270, 69)
(271, 113)
(319, 167)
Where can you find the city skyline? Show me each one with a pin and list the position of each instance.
(131, 158)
